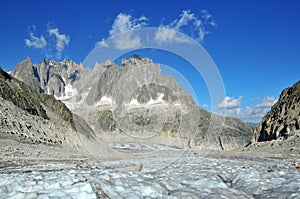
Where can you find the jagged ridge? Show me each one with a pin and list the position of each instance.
(134, 96)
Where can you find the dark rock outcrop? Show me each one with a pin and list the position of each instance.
(283, 120)
(20, 95)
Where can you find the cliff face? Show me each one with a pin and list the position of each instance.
(283, 120)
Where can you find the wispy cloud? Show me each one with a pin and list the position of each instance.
(52, 39)
(62, 40)
(35, 41)
(230, 102)
(195, 26)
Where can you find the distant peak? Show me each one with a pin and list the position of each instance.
(27, 61)
(45, 61)
(28, 58)
(136, 60)
(136, 56)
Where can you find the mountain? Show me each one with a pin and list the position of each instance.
(34, 125)
(283, 120)
(133, 101)
(48, 76)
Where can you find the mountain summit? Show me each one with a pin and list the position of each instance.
(134, 101)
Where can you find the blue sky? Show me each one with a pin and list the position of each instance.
(255, 44)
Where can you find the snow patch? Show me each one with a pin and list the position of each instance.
(159, 102)
(73, 104)
(69, 93)
(105, 101)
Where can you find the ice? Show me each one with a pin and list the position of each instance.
(142, 147)
(105, 101)
(31, 195)
(190, 176)
(15, 195)
(71, 101)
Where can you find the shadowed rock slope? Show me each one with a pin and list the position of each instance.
(36, 125)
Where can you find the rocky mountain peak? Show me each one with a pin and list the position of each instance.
(134, 97)
(27, 61)
(45, 62)
(49, 77)
(64, 61)
(136, 60)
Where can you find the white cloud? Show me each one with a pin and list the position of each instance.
(205, 105)
(188, 23)
(125, 22)
(62, 40)
(102, 43)
(167, 35)
(267, 103)
(36, 42)
(52, 42)
(127, 41)
(184, 18)
(232, 107)
(230, 102)
(124, 39)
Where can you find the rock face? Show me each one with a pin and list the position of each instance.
(38, 120)
(283, 120)
(133, 98)
(49, 77)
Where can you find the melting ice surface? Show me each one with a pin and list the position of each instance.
(190, 176)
